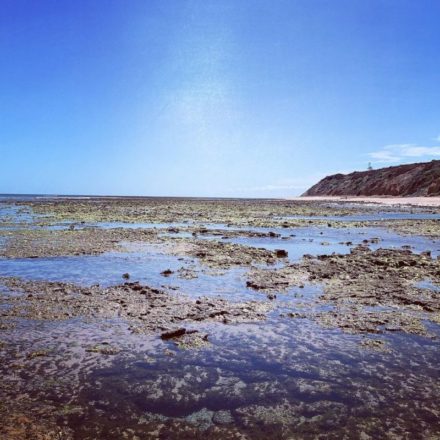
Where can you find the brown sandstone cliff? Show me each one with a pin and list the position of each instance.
(417, 179)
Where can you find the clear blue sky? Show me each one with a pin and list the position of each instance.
(213, 97)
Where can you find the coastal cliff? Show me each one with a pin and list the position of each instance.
(417, 179)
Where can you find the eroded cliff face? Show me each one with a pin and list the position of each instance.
(417, 179)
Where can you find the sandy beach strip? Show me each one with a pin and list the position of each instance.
(416, 201)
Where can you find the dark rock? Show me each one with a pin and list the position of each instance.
(173, 333)
(281, 253)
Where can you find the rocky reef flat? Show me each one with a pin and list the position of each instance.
(167, 318)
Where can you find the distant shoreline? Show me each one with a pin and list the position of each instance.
(380, 200)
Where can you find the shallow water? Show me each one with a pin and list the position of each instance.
(278, 378)
(149, 261)
(107, 269)
(10, 213)
(323, 240)
(427, 284)
(112, 225)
